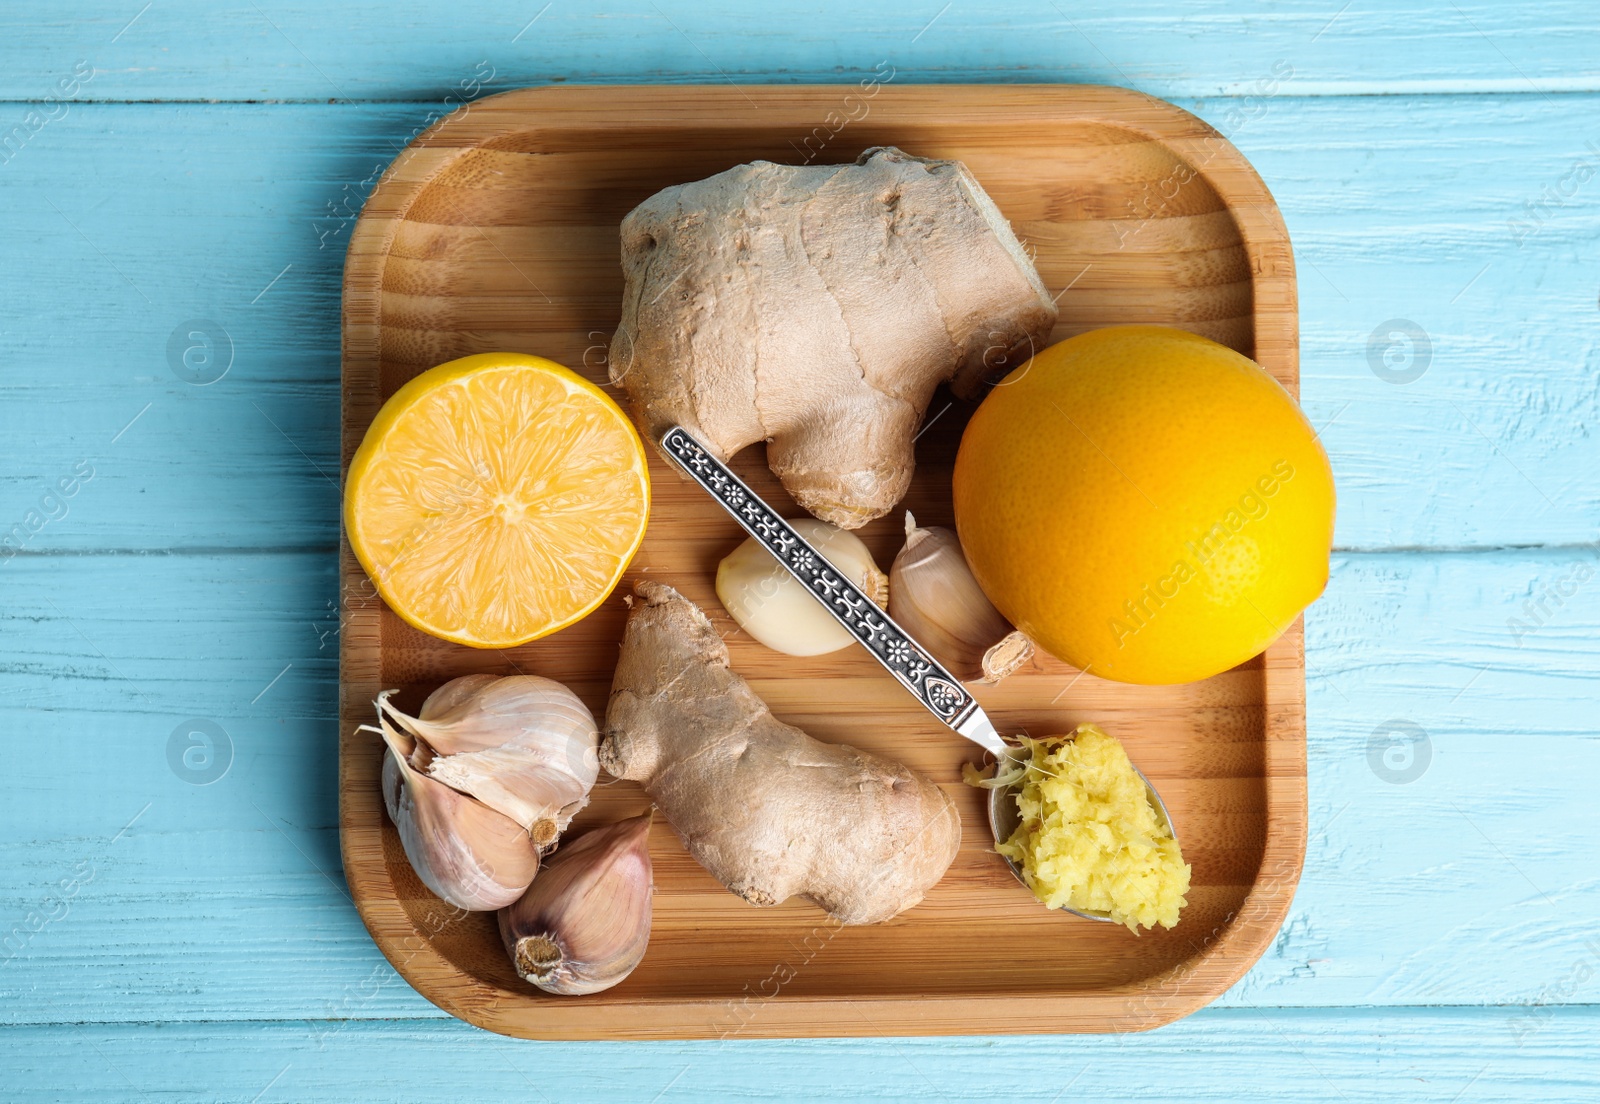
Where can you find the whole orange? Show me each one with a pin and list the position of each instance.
(1146, 504)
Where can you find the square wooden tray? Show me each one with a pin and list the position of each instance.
(497, 229)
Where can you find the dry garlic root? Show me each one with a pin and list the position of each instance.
(483, 779)
(816, 308)
(769, 811)
(584, 924)
(777, 609)
(933, 596)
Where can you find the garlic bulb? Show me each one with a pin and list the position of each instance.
(584, 924)
(468, 854)
(524, 746)
(934, 597)
(776, 608)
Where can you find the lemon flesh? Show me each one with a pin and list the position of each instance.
(496, 499)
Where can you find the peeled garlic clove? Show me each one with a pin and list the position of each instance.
(525, 746)
(934, 597)
(468, 854)
(776, 608)
(584, 924)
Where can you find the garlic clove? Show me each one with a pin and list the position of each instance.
(525, 746)
(934, 596)
(585, 923)
(453, 693)
(776, 608)
(464, 851)
(479, 712)
(542, 802)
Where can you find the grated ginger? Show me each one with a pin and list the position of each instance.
(1090, 838)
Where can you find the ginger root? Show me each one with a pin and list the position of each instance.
(769, 811)
(816, 308)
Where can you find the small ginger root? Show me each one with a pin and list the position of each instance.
(769, 811)
(816, 308)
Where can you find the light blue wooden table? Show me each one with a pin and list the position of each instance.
(169, 542)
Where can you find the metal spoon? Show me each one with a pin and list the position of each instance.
(940, 692)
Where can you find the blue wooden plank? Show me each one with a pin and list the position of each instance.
(1452, 703)
(275, 50)
(1466, 884)
(168, 247)
(134, 221)
(1452, 695)
(1481, 1056)
(1447, 319)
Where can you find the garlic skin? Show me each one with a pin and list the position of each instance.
(777, 609)
(464, 851)
(934, 597)
(526, 747)
(585, 923)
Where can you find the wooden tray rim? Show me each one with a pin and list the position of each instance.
(1219, 961)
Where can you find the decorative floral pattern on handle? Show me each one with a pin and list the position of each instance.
(889, 644)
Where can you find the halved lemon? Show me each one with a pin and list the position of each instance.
(496, 499)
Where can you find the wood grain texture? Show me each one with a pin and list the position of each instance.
(408, 49)
(497, 229)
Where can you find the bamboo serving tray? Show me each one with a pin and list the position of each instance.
(497, 229)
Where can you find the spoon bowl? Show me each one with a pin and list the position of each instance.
(1004, 817)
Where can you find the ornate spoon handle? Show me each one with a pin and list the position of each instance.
(936, 688)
